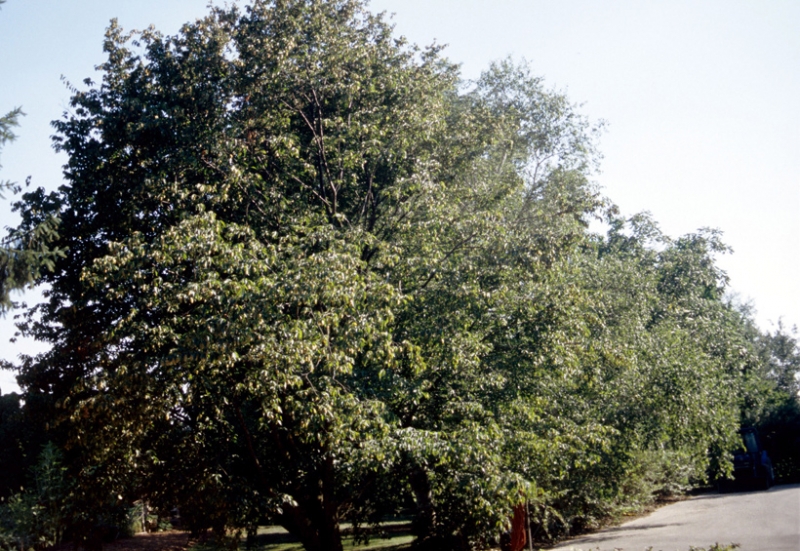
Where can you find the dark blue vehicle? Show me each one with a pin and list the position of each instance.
(752, 467)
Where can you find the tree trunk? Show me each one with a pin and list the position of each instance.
(315, 518)
(424, 523)
(315, 532)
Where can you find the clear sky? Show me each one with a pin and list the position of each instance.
(700, 97)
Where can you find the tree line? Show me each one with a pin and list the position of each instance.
(301, 272)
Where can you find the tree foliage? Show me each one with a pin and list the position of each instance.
(310, 276)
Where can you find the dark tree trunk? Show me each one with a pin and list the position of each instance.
(424, 523)
(315, 518)
(315, 532)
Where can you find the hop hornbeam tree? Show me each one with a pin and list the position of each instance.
(311, 276)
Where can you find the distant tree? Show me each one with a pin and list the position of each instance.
(22, 253)
(774, 401)
(782, 359)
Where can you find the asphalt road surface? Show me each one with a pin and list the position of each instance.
(757, 521)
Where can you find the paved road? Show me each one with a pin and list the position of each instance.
(758, 521)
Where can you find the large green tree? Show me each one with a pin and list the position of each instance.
(310, 275)
(230, 200)
(282, 229)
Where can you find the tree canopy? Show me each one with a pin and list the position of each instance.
(310, 275)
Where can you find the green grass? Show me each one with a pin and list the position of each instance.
(395, 542)
(396, 536)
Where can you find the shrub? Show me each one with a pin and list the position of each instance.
(36, 517)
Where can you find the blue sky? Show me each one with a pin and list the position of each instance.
(700, 97)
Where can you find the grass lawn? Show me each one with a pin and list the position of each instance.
(392, 536)
(394, 542)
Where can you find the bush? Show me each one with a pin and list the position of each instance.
(35, 518)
